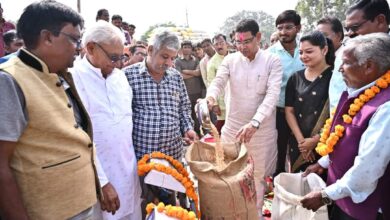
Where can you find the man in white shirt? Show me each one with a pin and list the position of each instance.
(253, 78)
(358, 172)
(107, 96)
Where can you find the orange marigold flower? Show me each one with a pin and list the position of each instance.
(179, 213)
(339, 128)
(320, 152)
(326, 126)
(386, 77)
(160, 207)
(188, 184)
(347, 119)
(369, 93)
(375, 89)
(149, 208)
(192, 215)
(354, 107)
(339, 134)
(363, 98)
(358, 102)
(381, 83)
(351, 112)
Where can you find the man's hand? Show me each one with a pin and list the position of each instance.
(245, 133)
(312, 201)
(315, 168)
(11, 205)
(210, 102)
(111, 200)
(217, 110)
(190, 136)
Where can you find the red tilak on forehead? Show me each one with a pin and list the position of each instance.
(241, 36)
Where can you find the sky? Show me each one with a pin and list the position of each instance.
(204, 15)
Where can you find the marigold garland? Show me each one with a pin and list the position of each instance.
(329, 139)
(178, 172)
(171, 211)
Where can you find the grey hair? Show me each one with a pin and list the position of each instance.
(375, 46)
(102, 32)
(165, 39)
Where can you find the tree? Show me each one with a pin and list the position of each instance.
(312, 10)
(265, 21)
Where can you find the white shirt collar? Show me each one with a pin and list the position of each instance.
(97, 71)
(355, 92)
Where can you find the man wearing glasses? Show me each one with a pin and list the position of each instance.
(363, 17)
(288, 25)
(46, 152)
(253, 77)
(107, 96)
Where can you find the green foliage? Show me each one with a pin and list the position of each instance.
(312, 10)
(265, 21)
(146, 35)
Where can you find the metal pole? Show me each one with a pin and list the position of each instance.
(187, 17)
(323, 8)
(79, 6)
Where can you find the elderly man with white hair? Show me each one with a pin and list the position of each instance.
(355, 142)
(107, 96)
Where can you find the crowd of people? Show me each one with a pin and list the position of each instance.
(80, 106)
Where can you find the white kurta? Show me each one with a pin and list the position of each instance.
(252, 92)
(108, 102)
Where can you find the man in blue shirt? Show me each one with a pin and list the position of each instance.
(288, 25)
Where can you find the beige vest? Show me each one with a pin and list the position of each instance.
(53, 159)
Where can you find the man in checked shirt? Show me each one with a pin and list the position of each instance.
(161, 107)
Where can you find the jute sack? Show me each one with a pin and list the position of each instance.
(228, 193)
(289, 190)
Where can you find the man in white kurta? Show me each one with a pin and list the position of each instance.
(107, 97)
(253, 78)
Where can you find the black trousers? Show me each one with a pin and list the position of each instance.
(284, 133)
(338, 214)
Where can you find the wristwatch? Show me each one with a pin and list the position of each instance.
(325, 198)
(255, 123)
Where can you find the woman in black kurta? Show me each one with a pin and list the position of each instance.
(307, 98)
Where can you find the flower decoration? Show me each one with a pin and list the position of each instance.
(171, 211)
(178, 172)
(329, 139)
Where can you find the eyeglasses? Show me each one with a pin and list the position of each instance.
(285, 27)
(75, 41)
(113, 58)
(244, 42)
(355, 27)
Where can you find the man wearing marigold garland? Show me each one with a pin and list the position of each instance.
(358, 152)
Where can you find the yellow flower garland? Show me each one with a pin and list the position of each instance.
(328, 140)
(179, 173)
(172, 211)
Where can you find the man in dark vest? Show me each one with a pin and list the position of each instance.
(46, 152)
(358, 173)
